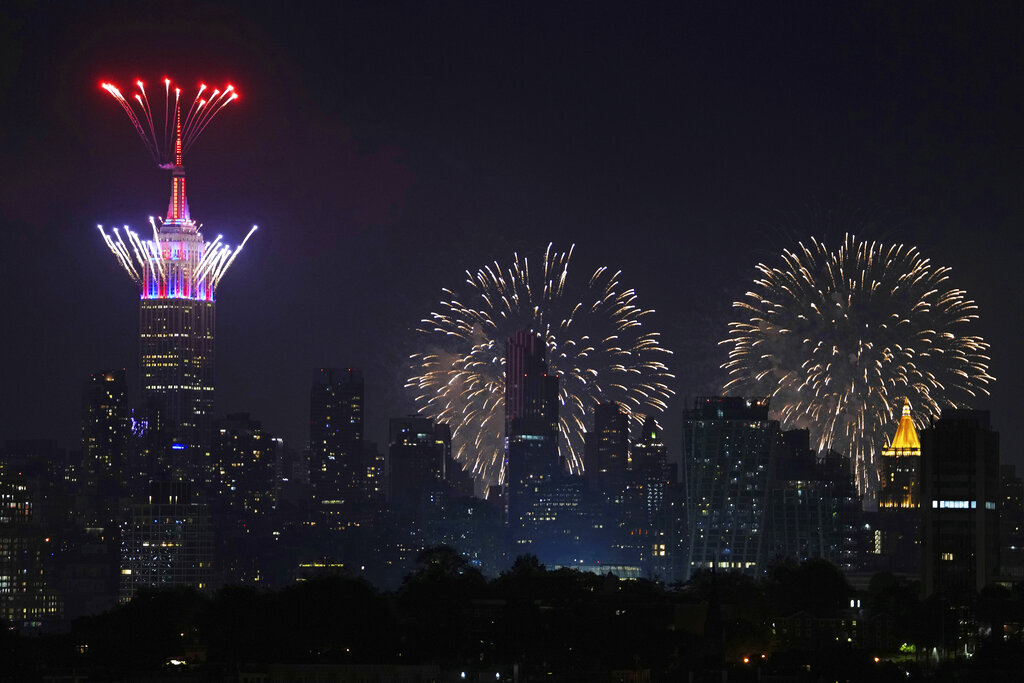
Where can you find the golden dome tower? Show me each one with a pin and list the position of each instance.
(900, 465)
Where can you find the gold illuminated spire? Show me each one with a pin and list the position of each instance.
(906, 436)
(898, 471)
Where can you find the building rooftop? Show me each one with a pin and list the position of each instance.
(906, 436)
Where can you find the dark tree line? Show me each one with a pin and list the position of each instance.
(577, 626)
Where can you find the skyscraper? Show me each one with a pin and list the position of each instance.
(176, 324)
(105, 425)
(650, 456)
(531, 475)
(727, 443)
(897, 523)
(959, 502)
(900, 464)
(176, 330)
(373, 463)
(1011, 524)
(27, 601)
(812, 506)
(168, 541)
(531, 439)
(617, 492)
(649, 465)
(178, 272)
(660, 499)
(530, 392)
(105, 449)
(419, 457)
(336, 468)
(243, 466)
(606, 454)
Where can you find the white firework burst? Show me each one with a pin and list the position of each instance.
(839, 337)
(596, 345)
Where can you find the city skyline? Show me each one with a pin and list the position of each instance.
(370, 216)
(597, 341)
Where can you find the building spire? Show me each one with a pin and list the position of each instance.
(177, 210)
(906, 435)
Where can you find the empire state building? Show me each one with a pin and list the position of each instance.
(177, 272)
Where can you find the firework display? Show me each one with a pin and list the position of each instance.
(172, 268)
(177, 263)
(840, 338)
(177, 136)
(596, 345)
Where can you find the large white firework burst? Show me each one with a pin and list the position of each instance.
(596, 344)
(839, 338)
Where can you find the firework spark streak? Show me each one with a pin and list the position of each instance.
(167, 269)
(198, 117)
(839, 338)
(596, 344)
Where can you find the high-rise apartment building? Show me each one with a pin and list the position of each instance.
(661, 504)
(813, 509)
(649, 466)
(618, 487)
(373, 463)
(105, 425)
(1011, 525)
(606, 452)
(532, 472)
(419, 460)
(169, 541)
(337, 469)
(243, 466)
(106, 447)
(26, 599)
(728, 443)
(959, 503)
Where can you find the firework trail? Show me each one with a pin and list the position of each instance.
(166, 269)
(596, 344)
(166, 147)
(839, 339)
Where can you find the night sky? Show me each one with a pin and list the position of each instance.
(384, 148)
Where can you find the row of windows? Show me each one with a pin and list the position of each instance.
(961, 505)
(171, 335)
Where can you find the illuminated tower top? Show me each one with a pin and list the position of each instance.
(899, 468)
(177, 263)
(905, 442)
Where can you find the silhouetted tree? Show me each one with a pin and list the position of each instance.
(435, 605)
(900, 599)
(144, 633)
(333, 619)
(738, 614)
(816, 586)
